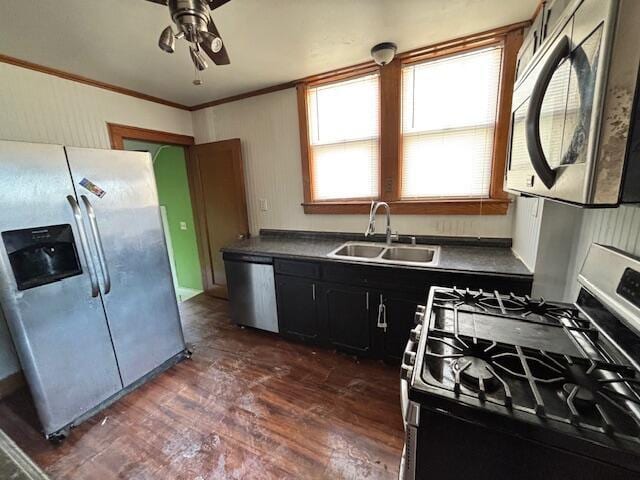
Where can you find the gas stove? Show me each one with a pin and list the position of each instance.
(548, 376)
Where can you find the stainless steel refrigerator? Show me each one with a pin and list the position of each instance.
(85, 281)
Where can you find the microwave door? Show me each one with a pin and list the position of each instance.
(581, 124)
(537, 123)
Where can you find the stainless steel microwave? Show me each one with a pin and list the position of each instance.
(575, 125)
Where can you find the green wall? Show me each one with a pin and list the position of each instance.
(170, 169)
(173, 189)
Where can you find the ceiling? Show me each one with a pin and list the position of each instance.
(269, 42)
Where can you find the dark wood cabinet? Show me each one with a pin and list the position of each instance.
(346, 315)
(338, 305)
(399, 311)
(297, 308)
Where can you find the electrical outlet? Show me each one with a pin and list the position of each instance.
(264, 205)
(183, 225)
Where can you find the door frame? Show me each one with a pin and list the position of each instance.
(118, 133)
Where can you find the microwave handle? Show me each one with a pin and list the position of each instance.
(534, 146)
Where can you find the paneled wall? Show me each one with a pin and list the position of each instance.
(527, 219)
(268, 127)
(618, 227)
(554, 242)
(41, 108)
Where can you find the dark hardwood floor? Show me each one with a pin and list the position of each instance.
(248, 405)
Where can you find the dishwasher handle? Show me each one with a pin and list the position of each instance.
(241, 257)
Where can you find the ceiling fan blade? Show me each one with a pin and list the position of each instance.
(213, 4)
(220, 58)
(159, 2)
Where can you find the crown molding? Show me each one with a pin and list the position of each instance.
(88, 81)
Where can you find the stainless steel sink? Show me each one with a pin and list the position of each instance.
(409, 254)
(420, 255)
(359, 250)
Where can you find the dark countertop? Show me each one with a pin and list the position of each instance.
(468, 257)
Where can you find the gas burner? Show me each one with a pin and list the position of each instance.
(474, 372)
(457, 298)
(593, 394)
(471, 365)
(540, 307)
(602, 389)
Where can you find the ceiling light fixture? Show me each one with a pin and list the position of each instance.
(167, 41)
(383, 53)
(193, 22)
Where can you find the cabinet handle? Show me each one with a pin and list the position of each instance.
(367, 300)
(382, 315)
(313, 291)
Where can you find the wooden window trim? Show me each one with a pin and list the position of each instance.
(510, 37)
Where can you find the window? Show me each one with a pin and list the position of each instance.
(449, 108)
(344, 126)
(427, 133)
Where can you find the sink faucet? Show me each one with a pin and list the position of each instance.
(371, 229)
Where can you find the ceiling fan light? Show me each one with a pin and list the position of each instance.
(383, 53)
(167, 41)
(197, 59)
(212, 41)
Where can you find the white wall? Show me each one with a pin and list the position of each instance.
(543, 236)
(268, 127)
(527, 218)
(42, 108)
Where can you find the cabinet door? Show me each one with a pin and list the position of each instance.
(347, 319)
(297, 312)
(399, 313)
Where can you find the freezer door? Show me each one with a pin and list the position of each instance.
(118, 197)
(56, 317)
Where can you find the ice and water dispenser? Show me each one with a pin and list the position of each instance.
(42, 255)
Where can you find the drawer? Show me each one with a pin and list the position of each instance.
(297, 268)
(345, 273)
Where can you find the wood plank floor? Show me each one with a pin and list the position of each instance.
(248, 405)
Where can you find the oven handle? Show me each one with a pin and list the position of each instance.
(404, 400)
(405, 377)
(532, 131)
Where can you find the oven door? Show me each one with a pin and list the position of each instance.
(555, 114)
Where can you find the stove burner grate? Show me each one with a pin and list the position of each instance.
(486, 367)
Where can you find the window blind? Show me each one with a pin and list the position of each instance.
(449, 109)
(344, 126)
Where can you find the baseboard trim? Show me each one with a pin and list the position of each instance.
(10, 384)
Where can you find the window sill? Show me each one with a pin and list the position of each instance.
(489, 206)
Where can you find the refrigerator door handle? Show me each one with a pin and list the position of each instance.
(97, 239)
(85, 245)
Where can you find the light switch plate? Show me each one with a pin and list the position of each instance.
(264, 205)
(183, 225)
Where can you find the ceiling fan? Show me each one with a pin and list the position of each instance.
(195, 25)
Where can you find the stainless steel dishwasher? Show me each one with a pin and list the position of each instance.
(252, 291)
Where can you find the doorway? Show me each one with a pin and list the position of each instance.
(170, 169)
(213, 181)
